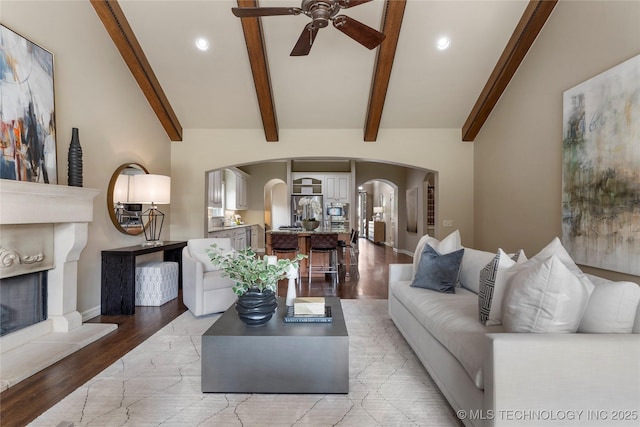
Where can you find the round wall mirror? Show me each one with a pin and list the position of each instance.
(125, 215)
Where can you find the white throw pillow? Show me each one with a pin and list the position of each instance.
(544, 297)
(612, 308)
(449, 244)
(556, 248)
(493, 282)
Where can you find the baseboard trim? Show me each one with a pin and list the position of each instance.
(91, 313)
(406, 252)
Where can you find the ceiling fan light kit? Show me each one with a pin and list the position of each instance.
(320, 12)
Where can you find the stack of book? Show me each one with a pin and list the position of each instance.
(308, 310)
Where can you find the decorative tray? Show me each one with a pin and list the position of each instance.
(290, 317)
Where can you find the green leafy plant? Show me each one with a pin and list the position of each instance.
(249, 271)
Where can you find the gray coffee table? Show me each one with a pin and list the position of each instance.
(277, 357)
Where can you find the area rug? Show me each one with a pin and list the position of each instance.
(158, 384)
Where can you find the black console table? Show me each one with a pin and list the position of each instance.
(119, 275)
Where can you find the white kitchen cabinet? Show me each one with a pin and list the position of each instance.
(306, 184)
(238, 236)
(215, 189)
(240, 239)
(255, 242)
(336, 188)
(235, 183)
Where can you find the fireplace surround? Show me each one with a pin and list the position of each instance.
(67, 211)
(23, 301)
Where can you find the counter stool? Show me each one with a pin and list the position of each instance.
(324, 243)
(351, 247)
(282, 243)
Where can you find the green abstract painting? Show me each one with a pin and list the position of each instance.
(601, 170)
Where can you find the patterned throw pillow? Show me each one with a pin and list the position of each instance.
(493, 280)
(438, 272)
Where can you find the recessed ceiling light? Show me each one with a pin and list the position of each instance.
(443, 43)
(202, 44)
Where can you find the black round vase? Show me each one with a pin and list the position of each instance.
(75, 160)
(256, 307)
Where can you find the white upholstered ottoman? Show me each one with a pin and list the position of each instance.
(156, 282)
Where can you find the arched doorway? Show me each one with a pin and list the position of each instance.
(377, 204)
(276, 204)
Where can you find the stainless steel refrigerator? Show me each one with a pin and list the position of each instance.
(297, 209)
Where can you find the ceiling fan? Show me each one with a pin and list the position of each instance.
(320, 12)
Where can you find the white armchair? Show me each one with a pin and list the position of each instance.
(204, 290)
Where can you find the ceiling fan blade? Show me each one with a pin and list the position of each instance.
(247, 12)
(345, 4)
(305, 41)
(363, 34)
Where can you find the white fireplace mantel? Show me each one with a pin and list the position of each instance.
(70, 210)
(33, 203)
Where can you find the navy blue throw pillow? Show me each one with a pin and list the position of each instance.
(438, 272)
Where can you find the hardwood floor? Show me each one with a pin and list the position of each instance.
(373, 263)
(25, 401)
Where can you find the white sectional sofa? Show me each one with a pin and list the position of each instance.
(494, 378)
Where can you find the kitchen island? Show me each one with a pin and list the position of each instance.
(303, 243)
(241, 235)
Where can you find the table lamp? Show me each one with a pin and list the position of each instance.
(378, 210)
(154, 190)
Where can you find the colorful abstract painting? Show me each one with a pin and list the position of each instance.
(601, 170)
(27, 120)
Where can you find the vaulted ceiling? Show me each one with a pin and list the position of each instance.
(246, 79)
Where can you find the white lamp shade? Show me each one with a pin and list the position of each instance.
(378, 209)
(149, 188)
(121, 189)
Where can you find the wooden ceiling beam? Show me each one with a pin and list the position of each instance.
(533, 19)
(391, 24)
(123, 37)
(254, 39)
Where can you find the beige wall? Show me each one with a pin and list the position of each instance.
(260, 174)
(518, 152)
(95, 92)
(434, 149)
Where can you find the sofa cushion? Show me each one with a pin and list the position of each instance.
(493, 281)
(612, 307)
(447, 245)
(545, 297)
(214, 280)
(473, 261)
(452, 320)
(438, 272)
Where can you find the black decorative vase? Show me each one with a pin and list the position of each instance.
(75, 160)
(255, 307)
